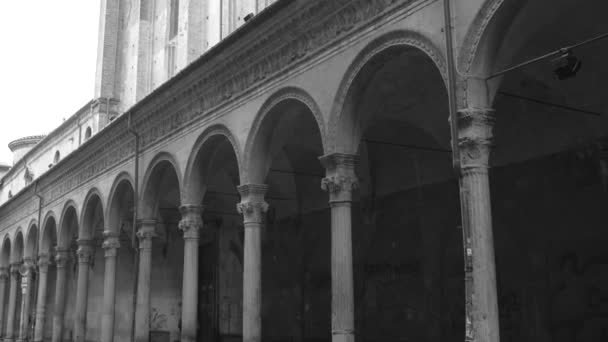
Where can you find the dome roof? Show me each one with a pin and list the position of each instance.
(25, 141)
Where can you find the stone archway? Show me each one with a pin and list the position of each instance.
(392, 114)
(290, 239)
(212, 177)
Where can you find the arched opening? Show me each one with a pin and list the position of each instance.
(212, 182)
(160, 202)
(407, 250)
(68, 234)
(548, 179)
(92, 228)
(87, 133)
(120, 221)
(5, 259)
(296, 276)
(47, 248)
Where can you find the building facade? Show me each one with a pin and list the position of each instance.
(284, 171)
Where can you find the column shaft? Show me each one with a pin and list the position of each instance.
(190, 224)
(111, 244)
(483, 309)
(43, 269)
(142, 314)
(85, 251)
(12, 304)
(475, 140)
(342, 288)
(252, 283)
(61, 259)
(26, 292)
(252, 207)
(4, 276)
(340, 183)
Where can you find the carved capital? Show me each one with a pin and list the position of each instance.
(3, 273)
(191, 222)
(14, 269)
(341, 179)
(62, 257)
(145, 233)
(475, 137)
(252, 205)
(85, 251)
(111, 243)
(44, 260)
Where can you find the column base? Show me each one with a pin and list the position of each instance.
(6, 339)
(342, 336)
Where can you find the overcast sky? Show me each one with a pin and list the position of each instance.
(47, 64)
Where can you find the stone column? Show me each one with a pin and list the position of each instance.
(62, 259)
(252, 207)
(43, 270)
(475, 139)
(85, 254)
(110, 245)
(191, 224)
(340, 183)
(4, 276)
(147, 231)
(27, 283)
(12, 303)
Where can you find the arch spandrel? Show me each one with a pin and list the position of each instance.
(400, 39)
(204, 148)
(274, 100)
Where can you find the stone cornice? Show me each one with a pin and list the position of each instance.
(292, 31)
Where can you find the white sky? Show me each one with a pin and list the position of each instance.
(47, 64)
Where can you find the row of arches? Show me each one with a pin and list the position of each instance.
(407, 265)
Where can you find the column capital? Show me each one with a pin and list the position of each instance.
(85, 251)
(252, 205)
(44, 260)
(191, 222)
(340, 180)
(475, 137)
(146, 232)
(62, 257)
(14, 268)
(111, 243)
(4, 273)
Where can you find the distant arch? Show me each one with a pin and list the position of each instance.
(391, 40)
(91, 200)
(251, 172)
(67, 221)
(148, 191)
(203, 149)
